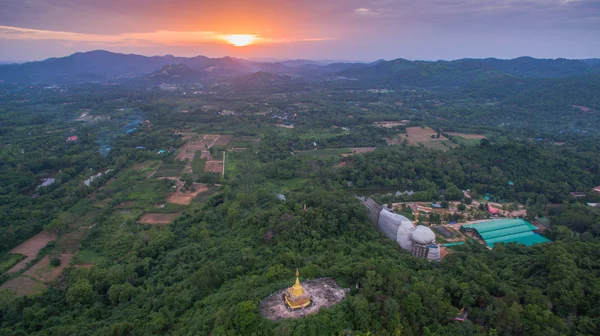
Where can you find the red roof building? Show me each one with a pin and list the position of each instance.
(73, 138)
(492, 210)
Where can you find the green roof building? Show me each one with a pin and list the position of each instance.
(506, 231)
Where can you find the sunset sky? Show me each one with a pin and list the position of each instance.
(315, 29)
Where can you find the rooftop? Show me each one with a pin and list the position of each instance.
(507, 231)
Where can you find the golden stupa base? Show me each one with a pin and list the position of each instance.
(297, 303)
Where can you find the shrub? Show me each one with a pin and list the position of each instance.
(54, 262)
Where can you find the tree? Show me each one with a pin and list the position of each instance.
(80, 292)
(61, 223)
(55, 262)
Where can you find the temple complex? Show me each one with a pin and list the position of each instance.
(417, 239)
(296, 296)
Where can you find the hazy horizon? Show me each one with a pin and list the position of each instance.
(364, 30)
(274, 59)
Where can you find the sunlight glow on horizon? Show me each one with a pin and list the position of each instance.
(240, 40)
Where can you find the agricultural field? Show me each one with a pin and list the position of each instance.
(465, 139)
(222, 141)
(185, 198)
(198, 165)
(213, 166)
(321, 134)
(158, 218)
(169, 170)
(194, 143)
(423, 135)
(242, 143)
(199, 162)
(87, 258)
(45, 272)
(30, 249)
(467, 136)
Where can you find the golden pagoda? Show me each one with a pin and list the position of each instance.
(295, 296)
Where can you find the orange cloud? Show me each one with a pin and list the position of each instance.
(161, 37)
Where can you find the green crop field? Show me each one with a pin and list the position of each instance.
(198, 163)
(325, 152)
(167, 170)
(8, 260)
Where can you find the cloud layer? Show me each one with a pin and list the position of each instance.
(162, 37)
(363, 29)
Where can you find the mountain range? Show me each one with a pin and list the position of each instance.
(98, 66)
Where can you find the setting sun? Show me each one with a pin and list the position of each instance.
(240, 40)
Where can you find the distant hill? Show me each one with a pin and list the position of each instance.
(103, 66)
(464, 71)
(592, 61)
(176, 73)
(539, 68)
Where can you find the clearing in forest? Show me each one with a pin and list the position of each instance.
(43, 271)
(333, 152)
(390, 124)
(23, 285)
(69, 242)
(30, 248)
(393, 141)
(423, 135)
(242, 143)
(158, 218)
(467, 136)
(284, 126)
(360, 150)
(185, 198)
(143, 165)
(125, 205)
(324, 293)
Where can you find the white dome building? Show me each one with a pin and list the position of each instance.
(423, 235)
(424, 245)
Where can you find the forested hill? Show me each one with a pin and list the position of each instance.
(464, 71)
(103, 65)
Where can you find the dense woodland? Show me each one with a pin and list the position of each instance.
(207, 272)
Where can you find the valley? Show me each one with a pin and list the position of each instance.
(174, 195)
